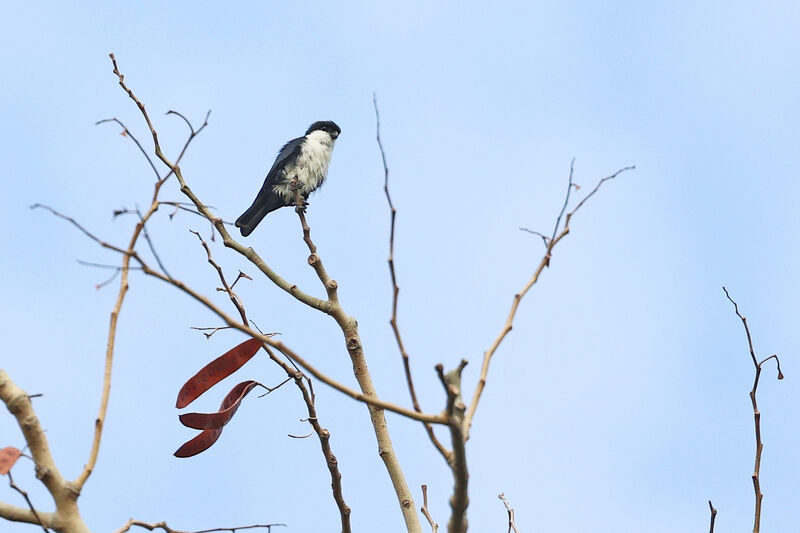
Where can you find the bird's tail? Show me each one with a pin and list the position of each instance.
(250, 218)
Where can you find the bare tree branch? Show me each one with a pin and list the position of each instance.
(713, 516)
(64, 493)
(27, 500)
(570, 185)
(756, 414)
(545, 261)
(211, 330)
(225, 287)
(150, 243)
(163, 525)
(511, 524)
(434, 525)
(324, 440)
(13, 513)
(447, 454)
(545, 238)
(126, 133)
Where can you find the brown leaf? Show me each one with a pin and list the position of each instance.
(212, 423)
(217, 370)
(199, 444)
(226, 411)
(8, 456)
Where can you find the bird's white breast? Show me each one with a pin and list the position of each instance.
(311, 166)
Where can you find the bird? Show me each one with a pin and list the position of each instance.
(306, 159)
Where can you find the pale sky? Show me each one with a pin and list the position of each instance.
(619, 402)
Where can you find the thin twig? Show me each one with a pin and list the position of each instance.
(545, 238)
(83, 230)
(103, 265)
(425, 512)
(212, 330)
(545, 262)
(566, 199)
(111, 278)
(756, 413)
(713, 516)
(150, 244)
(179, 207)
(324, 439)
(27, 500)
(163, 525)
(109, 359)
(237, 528)
(272, 389)
(447, 454)
(127, 133)
(194, 133)
(511, 524)
(241, 275)
(225, 287)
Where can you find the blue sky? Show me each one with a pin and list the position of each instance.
(620, 398)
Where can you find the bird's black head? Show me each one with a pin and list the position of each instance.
(325, 125)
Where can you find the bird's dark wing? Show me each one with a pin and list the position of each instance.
(267, 201)
(289, 152)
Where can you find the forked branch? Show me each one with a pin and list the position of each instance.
(163, 526)
(756, 416)
(64, 493)
(512, 525)
(559, 232)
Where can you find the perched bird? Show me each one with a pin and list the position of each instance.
(305, 158)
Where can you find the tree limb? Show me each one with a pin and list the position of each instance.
(447, 454)
(64, 493)
(756, 416)
(545, 261)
